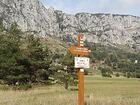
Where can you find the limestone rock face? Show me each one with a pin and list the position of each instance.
(112, 29)
(105, 28)
(30, 15)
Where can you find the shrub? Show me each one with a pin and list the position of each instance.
(106, 71)
(117, 75)
(128, 75)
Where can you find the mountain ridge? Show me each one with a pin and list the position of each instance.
(112, 29)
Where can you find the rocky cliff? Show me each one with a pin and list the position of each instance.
(106, 28)
(30, 15)
(110, 29)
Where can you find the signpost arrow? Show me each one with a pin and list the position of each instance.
(79, 51)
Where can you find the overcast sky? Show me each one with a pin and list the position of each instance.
(131, 7)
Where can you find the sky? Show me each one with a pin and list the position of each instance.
(127, 7)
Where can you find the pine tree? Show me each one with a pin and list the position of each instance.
(39, 60)
(69, 75)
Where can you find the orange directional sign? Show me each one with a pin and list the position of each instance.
(79, 51)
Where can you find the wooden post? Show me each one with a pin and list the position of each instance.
(80, 78)
(81, 87)
(79, 38)
(80, 51)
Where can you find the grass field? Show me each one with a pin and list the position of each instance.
(98, 91)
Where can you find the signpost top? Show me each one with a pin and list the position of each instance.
(79, 50)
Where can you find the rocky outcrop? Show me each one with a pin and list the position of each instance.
(106, 28)
(111, 29)
(30, 15)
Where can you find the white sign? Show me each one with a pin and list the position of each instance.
(81, 62)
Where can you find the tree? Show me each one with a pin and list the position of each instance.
(20, 67)
(68, 73)
(99, 55)
(39, 67)
(10, 70)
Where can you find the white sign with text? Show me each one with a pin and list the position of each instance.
(81, 62)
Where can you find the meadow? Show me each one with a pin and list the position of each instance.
(98, 91)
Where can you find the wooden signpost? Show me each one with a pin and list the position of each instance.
(80, 52)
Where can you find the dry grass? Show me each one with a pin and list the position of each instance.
(51, 95)
(116, 91)
(100, 91)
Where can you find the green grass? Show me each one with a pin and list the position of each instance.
(98, 90)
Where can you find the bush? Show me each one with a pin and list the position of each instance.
(117, 75)
(128, 75)
(86, 72)
(106, 71)
(138, 75)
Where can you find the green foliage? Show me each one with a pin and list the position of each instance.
(11, 69)
(86, 72)
(23, 66)
(25, 61)
(106, 71)
(128, 74)
(137, 75)
(67, 74)
(1, 25)
(38, 60)
(117, 75)
(99, 55)
(14, 30)
(9, 56)
(116, 59)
